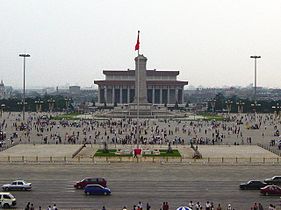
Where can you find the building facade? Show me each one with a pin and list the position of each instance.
(2, 90)
(119, 87)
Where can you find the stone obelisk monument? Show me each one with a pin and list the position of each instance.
(140, 80)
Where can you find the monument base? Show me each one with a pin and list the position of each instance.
(146, 110)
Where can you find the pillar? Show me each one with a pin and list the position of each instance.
(113, 94)
(153, 95)
(161, 95)
(128, 94)
(99, 94)
(105, 94)
(120, 95)
(140, 79)
(176, 94)
(182, 95)
(168, 97)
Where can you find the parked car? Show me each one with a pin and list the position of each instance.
(17, 185)
(252, 185)
(276, 180)
(89, 180)
(7, 200)
(96, 189)
(271, 190)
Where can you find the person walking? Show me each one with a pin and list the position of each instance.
(148, 206)
(31, 207)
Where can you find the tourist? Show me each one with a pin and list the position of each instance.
(190, 204)
(148, 206)
(219, 207)
(208, 205)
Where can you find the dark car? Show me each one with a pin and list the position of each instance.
(252, 185)
(271, 190)
(89, 180)
(96, 189)
(276, 180)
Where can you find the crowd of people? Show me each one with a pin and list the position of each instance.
(41, 128)
(165, 206)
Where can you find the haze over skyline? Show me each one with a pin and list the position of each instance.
(209, 42)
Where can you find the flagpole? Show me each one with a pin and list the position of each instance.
(138, 106)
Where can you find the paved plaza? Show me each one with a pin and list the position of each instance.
(175, 182)
(41, 150)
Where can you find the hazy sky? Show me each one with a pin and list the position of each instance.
(72, 41)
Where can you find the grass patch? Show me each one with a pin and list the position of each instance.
(111, 153)
(213, 117)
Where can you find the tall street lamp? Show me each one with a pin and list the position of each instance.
(277, 108)
(228, 105)
(255, 84)
(240, 105)
(51, 103)
(2, 109)
(67, 101)
(213, 104)
(23, 98)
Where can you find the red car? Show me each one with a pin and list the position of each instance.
(89, 180)
(271, 190)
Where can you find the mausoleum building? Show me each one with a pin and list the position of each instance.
(119, 86)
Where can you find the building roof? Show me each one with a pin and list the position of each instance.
(132, 82)
(149, 72)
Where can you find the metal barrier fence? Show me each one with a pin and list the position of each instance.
(272, 149)
(96, 160)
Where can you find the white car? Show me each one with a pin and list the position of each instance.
(17, 185)
(7, 200)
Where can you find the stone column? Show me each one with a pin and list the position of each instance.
(105, 94)
(128, 94)
(99, 94)
(140, 80)
(120, 95)
(113, 94)
(168, 97)
(176, 94)
(153, 95)
(182, 95)
(161, 95)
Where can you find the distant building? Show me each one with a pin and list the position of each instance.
(119, 87)
(74, 90)
(2, 90)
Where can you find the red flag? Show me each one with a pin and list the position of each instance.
(137, 46)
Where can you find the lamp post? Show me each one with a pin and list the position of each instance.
(51, 103)
(20, 103)
(255, 75)
(38, 105)
(23, 98)
(240, 105)
(277, 108)
(255, 105)
(2, 109)
(67, 101)
(228, 105)
(213, 104)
